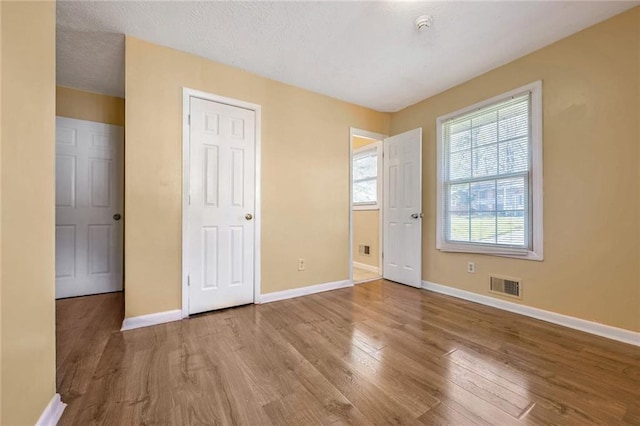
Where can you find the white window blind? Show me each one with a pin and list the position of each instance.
(365, 177)
(486, 156)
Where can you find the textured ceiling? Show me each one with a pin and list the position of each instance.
(368, 53)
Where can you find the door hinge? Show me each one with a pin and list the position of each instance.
(188, 281)
(189, 119)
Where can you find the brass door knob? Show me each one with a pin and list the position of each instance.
(248, 216)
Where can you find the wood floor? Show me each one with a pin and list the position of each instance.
(379, 353)
(362, 275)
(84, 325)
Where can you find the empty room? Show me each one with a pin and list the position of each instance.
(313, 213)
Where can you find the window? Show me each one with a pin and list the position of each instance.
(365, 177)
(490, 176)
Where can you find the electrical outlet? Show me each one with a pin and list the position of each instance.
(471, 267)
(301, 264)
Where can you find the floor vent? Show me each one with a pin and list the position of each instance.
(506, 286)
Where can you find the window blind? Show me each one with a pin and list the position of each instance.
(487, 175)
(365, 174)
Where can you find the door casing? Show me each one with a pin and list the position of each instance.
(187, 94)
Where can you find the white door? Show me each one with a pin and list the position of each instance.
(221, 207)
(89, 225)
(402, 201)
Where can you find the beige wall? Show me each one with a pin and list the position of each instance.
(366, 224)
(591, 95)
(591, 162)
(366, 230)
(305, 174)
(637, 11)
(89, 106)
(0, 210)
(27, 216)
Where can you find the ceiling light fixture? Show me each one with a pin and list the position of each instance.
(423, 22)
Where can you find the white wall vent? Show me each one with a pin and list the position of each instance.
(511, 287)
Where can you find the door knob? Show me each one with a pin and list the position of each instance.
(116, 216)
(248, 216)
(416, 215)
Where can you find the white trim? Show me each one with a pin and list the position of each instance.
(186, 164)
(186, 95)
(537, 253)
(52, 412)
(536, 172)
(377, 137)
(373, 146)
(257, 259)
(614, 333)
(366, 134)
(366, 267)
(151, 319)
(304, 291)
(95, 124)
(365, 206)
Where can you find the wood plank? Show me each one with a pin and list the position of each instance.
(378, 353)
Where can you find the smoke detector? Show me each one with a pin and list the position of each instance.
(423, 22)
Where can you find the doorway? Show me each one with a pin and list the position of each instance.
(366, 171)
(221, 203)
(385, 231)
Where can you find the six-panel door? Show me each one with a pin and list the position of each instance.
(402, 212)
(221, 206)
(89, 190)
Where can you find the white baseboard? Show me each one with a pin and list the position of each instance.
(52, 412)
(304, 291)
(366, 267)
(151, 319)
(176, 315)
(614, 333)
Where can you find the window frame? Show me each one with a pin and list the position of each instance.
(535, 252)
(363, 151)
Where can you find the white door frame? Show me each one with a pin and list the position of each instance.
(187, 93)
(377, 137)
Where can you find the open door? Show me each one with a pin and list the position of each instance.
(402, 208)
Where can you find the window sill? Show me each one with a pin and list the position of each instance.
(366, 207)
(491, 251)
